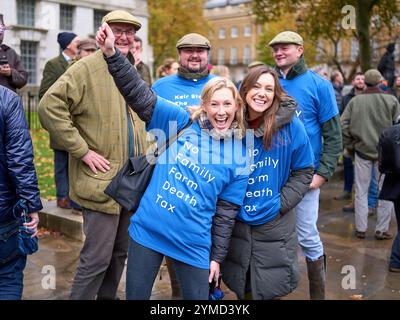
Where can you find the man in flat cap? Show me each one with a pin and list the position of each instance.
(184, 88)
(53, 69)
(85, 48)
(363, 120)
(85, 113)
(12, 73)
(319, 113)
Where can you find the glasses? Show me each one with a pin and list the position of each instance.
(119, 33)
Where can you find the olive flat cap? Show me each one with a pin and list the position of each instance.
(373, 77)
(192, 40)
(255, 64)
(87, 44)
(121, 16)
(287, 37)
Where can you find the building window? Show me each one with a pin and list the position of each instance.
(234, 32)
(233, 56)
(354, 49)
(221, 56)
(26, 12)
(221, 33)
(247, 31)
(29, 59)
(66, 17)
(246, 55)
(97, 17)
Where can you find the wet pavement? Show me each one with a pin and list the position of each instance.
(357, 268)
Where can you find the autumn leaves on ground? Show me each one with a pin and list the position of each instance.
(44, 163)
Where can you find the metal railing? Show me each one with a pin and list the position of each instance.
(30, 101)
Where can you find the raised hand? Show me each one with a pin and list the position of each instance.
(105, 40)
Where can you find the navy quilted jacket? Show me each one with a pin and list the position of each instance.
(17, 173)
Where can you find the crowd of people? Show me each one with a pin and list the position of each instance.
(234, 194)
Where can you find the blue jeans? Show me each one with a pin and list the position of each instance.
(142, 269)
(61, 176)
(12, 262)
(395, 255)
(373, 191)
(306, 225)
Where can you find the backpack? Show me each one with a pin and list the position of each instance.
(389, 150)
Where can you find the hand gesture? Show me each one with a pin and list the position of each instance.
(33, 224)
(96, 161)
(214, 271)
(105, 40)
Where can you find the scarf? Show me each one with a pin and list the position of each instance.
(186, 74)
(298, 69)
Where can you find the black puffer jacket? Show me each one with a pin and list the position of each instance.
(17, 172)
(142, 100)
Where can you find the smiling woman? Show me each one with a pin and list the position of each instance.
(188, 209)
(263, 246)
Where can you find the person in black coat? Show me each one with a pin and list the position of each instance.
(391, 192)
(386, 65)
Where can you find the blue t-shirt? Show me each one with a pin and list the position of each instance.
(316, 105)
(290, 150)
(183, 92)
(175, 214)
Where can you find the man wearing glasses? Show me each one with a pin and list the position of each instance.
(85, 112)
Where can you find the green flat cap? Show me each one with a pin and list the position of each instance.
(121, 16)
(192, 40)
(287, 37)
(372, 77)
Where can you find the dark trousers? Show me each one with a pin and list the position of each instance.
(143, 266)
(12, 262)
(103, 256)
(395, 255)
(348, 169)
(61, 176)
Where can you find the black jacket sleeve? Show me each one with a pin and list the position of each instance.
(295, 188)
(136, 92)
(222, 227)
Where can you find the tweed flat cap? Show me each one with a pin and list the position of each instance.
(121, 16)
(287, 37)
(372, 77)
(192, 40)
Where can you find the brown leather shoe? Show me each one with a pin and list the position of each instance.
(63, 203)
(379, 235)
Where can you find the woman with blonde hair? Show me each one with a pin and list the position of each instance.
(197, 187)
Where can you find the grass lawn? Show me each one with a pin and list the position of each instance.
(44, 163)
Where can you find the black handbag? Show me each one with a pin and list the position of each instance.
(130, 183)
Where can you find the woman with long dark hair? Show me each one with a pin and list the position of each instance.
(262, 257)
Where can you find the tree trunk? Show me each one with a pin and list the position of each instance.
(362, 24)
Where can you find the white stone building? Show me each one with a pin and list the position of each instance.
(36, 23)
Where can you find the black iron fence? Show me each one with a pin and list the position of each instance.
(30, 101)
